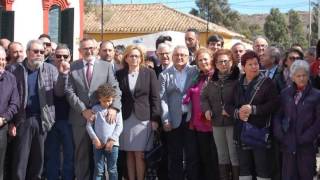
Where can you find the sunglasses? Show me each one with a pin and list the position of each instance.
(36, 51)
(60, 56)
(47, 44)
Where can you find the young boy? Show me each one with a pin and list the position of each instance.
(104, 135)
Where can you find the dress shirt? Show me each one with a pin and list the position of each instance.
(181, 77)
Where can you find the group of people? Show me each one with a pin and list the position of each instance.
(225, 114)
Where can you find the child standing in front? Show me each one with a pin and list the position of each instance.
(104, 134)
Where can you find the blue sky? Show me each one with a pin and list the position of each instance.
(242, 6)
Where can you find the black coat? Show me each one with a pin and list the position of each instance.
(217, 94)
(145, 101)
(265, 102)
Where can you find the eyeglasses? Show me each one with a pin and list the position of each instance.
(36, 51)
(134, 56)
(293, 58)
(59, 56)
(223, 62)
(163, 54)
(88, 48)
(181, 55)
(47, 44)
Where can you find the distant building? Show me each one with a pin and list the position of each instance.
(130, 20)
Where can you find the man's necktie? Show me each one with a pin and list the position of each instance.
(89, 72)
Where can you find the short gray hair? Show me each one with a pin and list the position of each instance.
(62, 46)
(35, 41)
(180, 47)
(298, 65)
(164, 45)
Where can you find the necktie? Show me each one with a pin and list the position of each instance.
(89, 72)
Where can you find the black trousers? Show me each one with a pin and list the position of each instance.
(254, 162)
(3, 148)
(208, 156)
(182, 141)
(28, 147)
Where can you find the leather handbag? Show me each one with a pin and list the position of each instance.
(251, 135)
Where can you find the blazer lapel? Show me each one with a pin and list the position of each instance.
(126, 81)
(94, 72)
(140, 79)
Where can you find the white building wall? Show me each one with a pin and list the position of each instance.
(76, 38)
(28, 23)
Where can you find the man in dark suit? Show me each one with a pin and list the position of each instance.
(86, 75)
(164, 55)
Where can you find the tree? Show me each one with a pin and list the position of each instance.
(314, 24)
(295, 29)
(217, 11)
(275, 28)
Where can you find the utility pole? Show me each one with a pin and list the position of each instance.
(310, 23)
(318, 19)
(102, 22)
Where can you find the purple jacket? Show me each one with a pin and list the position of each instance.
(298, 126)
(9, 97)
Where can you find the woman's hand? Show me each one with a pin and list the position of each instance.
(208, 115)
(244, 112)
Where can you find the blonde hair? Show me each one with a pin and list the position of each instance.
(128, 50)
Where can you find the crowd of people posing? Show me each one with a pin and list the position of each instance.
(220, 114)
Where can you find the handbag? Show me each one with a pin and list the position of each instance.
(153, 156)
(251, 135)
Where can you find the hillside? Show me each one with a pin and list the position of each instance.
(260, 19)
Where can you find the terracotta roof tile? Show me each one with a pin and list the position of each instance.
(147, 18)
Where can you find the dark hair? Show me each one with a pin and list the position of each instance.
(216, 38)
(162, 39)
(105, 90)
(193, 30)
(45, 36)
(226, 52)
(106, 42)
(249, 55)
(292, 50)
(120, 48)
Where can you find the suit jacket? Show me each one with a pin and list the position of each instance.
(171, 96)
(145, 101)
(81, 96)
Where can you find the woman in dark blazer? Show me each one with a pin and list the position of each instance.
(140, 109)
(297, 124)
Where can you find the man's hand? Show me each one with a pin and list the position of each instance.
(109, 145)
(154, 125)
(88, 114)
(167, 126)
(1, 121)
(112, 114)
(97, 144)
(64, 67)
(208, 115)
(12, 130)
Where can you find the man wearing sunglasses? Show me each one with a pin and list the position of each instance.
(46, 39)
(38, 82)
(61, 133)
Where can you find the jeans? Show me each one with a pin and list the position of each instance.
(59, 136)
(111, 157)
